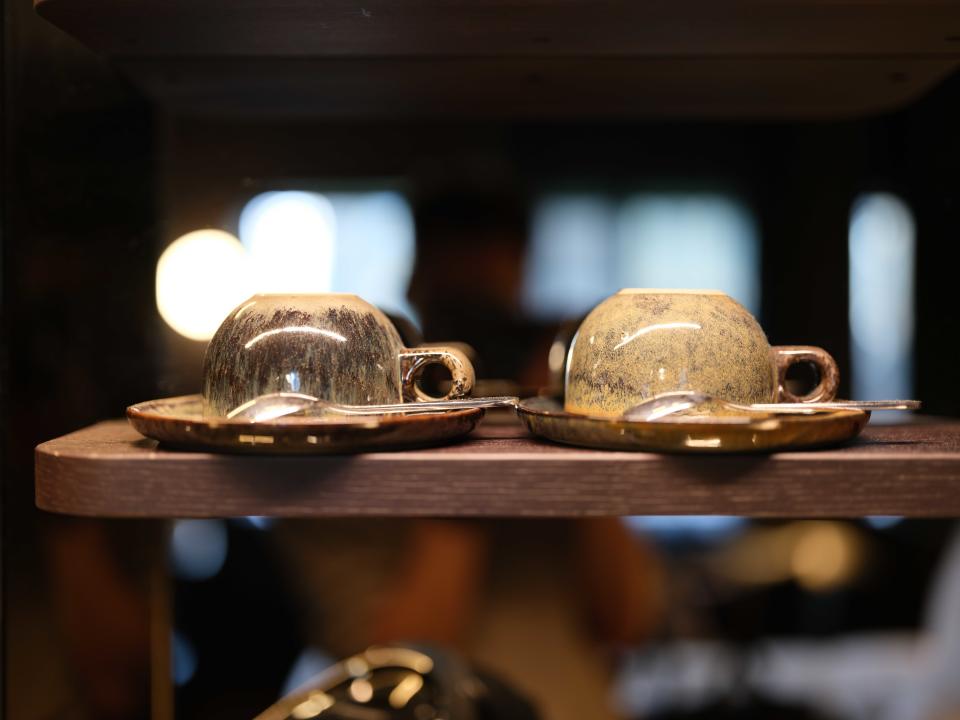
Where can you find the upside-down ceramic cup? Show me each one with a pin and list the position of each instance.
(641, 343)
(338, 348)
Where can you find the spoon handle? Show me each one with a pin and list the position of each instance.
(424, 406)
(668, 405)
(838, 405)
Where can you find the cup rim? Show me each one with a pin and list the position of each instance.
(668, 291)
(303, 294)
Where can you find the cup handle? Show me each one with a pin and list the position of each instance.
(826, 389)
(414, 360)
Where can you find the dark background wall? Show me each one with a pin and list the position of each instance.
(78, 251)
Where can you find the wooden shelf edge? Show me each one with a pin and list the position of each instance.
(499, 474)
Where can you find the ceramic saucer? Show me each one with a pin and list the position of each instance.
(179, 422)
(754, 432)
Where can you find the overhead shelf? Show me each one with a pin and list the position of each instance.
(109, 470)
(533, 59)
(497, 28)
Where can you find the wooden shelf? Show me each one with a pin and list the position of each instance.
(430, 28)
(523, 58)
(109, 470)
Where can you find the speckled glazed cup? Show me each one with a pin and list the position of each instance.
(641, 343)
(338, 348)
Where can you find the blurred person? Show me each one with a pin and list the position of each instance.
(471, 225)
(542, 603)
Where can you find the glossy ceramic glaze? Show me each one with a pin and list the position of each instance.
(335, 347)
(638, 344)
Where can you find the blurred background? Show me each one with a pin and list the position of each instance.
(130, 229)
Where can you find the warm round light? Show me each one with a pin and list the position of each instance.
(201, 277)
(361, 690)
(826, 555)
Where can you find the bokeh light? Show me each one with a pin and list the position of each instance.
(291, 241)
(290, 237)
(309, 664)
(688, 528)
(567, 269)
(882, 255)
(200, 278)
(183, 658)
(375, 248)
(313, 706)
(198, 548)
(825, 555)
(818, 555)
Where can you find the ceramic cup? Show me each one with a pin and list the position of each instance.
(641, 343)
(338, 348)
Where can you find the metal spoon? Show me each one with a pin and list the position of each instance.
(283, 404)
(672, 403)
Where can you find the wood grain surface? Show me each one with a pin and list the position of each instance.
(109, 470)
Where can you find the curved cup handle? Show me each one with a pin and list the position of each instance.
(414, 360)
(826, 389)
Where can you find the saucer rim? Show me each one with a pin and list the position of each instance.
(818, 414)
(137, 411)
(302, 436)
(757, 436)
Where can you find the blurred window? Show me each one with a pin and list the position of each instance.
(290, 238)
(706, 241)
(585, 247)
(291, 241)
(568, 262)
(352, 242)
(882, 249)
(376, 248)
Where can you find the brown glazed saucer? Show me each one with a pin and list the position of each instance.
(179, 422)
(753, 432)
